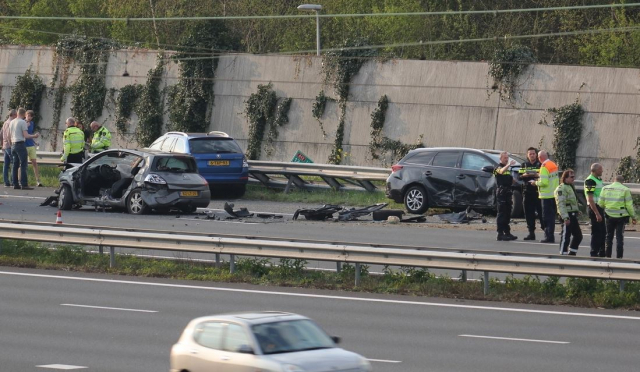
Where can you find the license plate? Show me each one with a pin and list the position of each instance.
(218, 163)
(188, 193)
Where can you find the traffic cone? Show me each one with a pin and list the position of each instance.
(59, 217)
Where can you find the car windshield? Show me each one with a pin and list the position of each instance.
(208, 145)
(291, 336)
(175, 164)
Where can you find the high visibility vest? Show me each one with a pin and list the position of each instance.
(596, 190)
(566, 200)
(548, 181)
(101, 140)
(73, 142)
(616, 201)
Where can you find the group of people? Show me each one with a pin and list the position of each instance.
(18, 145)
(546, 195)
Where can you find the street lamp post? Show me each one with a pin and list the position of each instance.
(314, 8)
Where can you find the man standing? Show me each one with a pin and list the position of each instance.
(6, 147)
(616, 201)
(547, 184)
(101, 138)
(529, 170)
(592, 189)
(567, 204)
(505, 181)
(73, 143)
(19, 133)
(31, 147)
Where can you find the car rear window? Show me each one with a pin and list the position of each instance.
(213, 145)
(423, 158)
(175, 164)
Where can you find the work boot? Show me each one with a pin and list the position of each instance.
(500, 237)
(572, 253)
(510, 237)
(531, 236)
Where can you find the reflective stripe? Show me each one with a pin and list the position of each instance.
(69, 141)
(616, 212)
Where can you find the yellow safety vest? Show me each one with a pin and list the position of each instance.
(73, 142)
(101, 140)
(548, 181)
(566, 200)
(616, 201)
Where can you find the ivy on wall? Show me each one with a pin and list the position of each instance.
(630, 167)
(125, 104)
(506, 67)
(262, 110)
(340, 66)
(319, 105)
(281, 118)
(27, 93)
(567, 124)
(149, 106)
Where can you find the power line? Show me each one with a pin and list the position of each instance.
(299, 16)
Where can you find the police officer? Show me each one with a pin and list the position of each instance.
(567, 204)
(73, 143)
(530, 201)
(101, 138)
(616, 201)
(592, 189)
(504, 180)
(547, 183)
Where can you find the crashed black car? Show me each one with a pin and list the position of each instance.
(449, 177)
(136, 180)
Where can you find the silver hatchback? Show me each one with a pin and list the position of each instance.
(261, 341)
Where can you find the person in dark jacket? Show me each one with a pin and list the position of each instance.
(505, 181)
(531, 203)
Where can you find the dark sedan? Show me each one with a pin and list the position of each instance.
(136, 180)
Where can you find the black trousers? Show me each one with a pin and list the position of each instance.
(532, 206)
(571, 235)
(615, 226)
(504, 211)
(76, 158)
(598, 233)
(549, 218)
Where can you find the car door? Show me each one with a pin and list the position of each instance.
(236, 341)
(206, 350)
(474, 187)
(440, 178)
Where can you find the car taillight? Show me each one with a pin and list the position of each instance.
(396, 167)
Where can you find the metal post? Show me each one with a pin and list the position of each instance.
(317, 33)
(338, 267)
(112, 257)
(486, 283)
(357, 274)
(100, 249)
(463, 278)
(622, 283)
(217, 260)
(232, 263)
(0, 245)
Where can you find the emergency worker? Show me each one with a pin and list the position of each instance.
(547, 183)
(592, 189)
(73, 143)
(616, 201)
(101, 138)
(505, 181)
(531, 203)
(567, 203)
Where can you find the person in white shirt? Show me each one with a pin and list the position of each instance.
(5, 134)
(19, 132)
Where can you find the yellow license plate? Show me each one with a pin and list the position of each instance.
(217, 163)
(188, 193)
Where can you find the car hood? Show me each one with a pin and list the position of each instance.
(334, 359)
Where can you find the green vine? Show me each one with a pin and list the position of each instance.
(262, 110)
(281, 118)
(340, 66)
(629, 167)
(125, 104)
(149, 106)
(507, 66)
(567, 123)
(28, 93)
(319, 105)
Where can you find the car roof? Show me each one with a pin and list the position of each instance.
(252, 318)
(147, 152)
(212, 134)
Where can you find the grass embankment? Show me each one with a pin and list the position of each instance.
(292, 273)
(48, 175)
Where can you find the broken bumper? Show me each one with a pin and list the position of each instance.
(169, 198)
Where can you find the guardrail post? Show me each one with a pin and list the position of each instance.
(486, 283)
(1, 245)
(100, 249)
(463, 277)
(338, 267)
(112, 256)
(357, 274)
(232, 263)
(217, 260)
(622, 283)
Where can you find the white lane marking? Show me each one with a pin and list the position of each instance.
(359, 299)
(61, 366)
(204, 219)
(222, 210)
(109, 308)
(21, 197)
(516, 339)
(384, 361)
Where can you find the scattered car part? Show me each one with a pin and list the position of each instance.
(353, 213)
(318, 214)
(239, 213)
(51, 200)
(383, 215)
(465, 216)
(414, 219)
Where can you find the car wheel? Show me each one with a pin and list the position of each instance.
(135, 204)
(239, 191)
(65, 199)
(189, 209)
(517, 210)
(415, 200)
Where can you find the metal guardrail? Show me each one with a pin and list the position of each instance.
(486, 262)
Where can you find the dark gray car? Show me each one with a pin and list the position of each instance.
(136, 180)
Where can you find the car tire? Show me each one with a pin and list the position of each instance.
(240, 190)
(135, 204)
(517, 210)
(415, 200)
(65, 199)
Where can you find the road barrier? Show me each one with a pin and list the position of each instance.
(487, 262)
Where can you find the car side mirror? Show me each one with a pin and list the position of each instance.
(488, 169)
(336, 339)
(245, 349)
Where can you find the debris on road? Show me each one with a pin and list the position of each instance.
(353, 213)
(239, 213)
(318, 214)
(461, 217)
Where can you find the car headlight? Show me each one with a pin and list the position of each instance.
(154, 178)
(365, 366)
(245, 163)
(291, 368)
